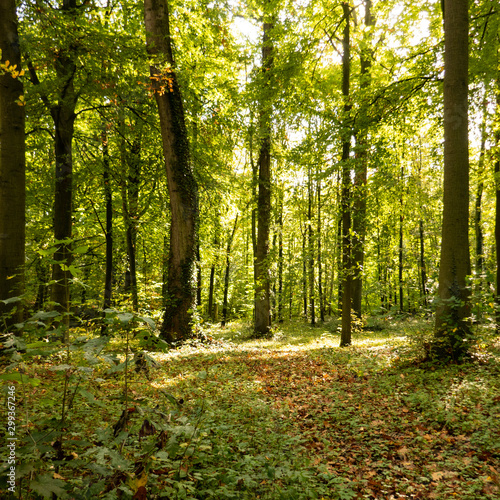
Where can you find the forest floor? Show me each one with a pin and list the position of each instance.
(292, 417)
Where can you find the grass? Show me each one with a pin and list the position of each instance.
(290, 417)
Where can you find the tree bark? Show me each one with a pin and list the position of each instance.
(226, 272)
(12, 171)
(452, 315)
(321, 295)
(182, 187)
(262, 279)
(310, 251)
(108, 282)
(360, 191)
(345, 338)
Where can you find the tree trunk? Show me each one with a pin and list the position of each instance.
(198, 275)
(108, 282)
(321, 296)
(400, 250)
(130, 199)
(182, 187)
(478, 204)
(262, 280)
(12, 172)
(423, 271)
(226, 272)
(304, 273)
(310, 252)
(452, 315)
(345, 338)
(280, 262)
(360, 192)
(64, 116)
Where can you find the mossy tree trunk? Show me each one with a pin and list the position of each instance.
(182, 186)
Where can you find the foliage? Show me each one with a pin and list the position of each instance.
(293, 417)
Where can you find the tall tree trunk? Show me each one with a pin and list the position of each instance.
(310, 251)
(226, 272)
(12, 171)
(304, 272)
(478, 204)
(108, 282)
(130, 200)
(345, 338)
(211, 284)
(497, 199)
(321, 296)
(360, 191)
(262, 279)
(182, 187)
(423, 270)
(63, 115)
(280, 261)
(452, 323)
(198, 275)
(401, 241)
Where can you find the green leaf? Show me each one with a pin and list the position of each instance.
(82, 249)
(11, 300)
(60, 368)
(43, 315)
(47, 486)
(19, 377)
(148, 321)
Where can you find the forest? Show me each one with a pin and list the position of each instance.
(250, 249)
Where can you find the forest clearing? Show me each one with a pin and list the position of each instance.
(290, 417)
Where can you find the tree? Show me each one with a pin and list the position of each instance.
(182, 186)
(262, 280)
(12, 166)
(345, 338)
(452, 316)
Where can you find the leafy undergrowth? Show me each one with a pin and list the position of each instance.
(292, 417)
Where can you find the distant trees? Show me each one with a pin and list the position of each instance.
(324, 141)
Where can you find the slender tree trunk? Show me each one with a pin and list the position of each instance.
(131, 213)
(345, 338)
(211, 283)
(108, 282)
(401, 242)
(262, 279)
(198, 275)
(452, 323)
(339, 252)
(226, 272)
(280, 262)
(310, 252)
(304, 272)
(63, 115)
(182, 187)
(321, 296)
(12, 172)
(478, 204)
(360, 190)
(497, 200)
(423, 270)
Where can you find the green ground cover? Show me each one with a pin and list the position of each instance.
(290, 417)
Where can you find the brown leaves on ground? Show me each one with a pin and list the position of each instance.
(366, 434)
